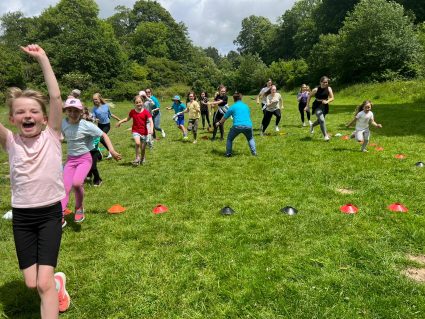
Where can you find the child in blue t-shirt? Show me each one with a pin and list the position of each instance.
(179, 107)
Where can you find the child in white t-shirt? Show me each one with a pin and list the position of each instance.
(363, 118)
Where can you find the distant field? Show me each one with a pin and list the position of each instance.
(192, 262)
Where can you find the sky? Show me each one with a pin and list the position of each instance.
(214, 23)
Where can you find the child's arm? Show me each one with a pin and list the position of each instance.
(115, 154)
(150, 131)
(115, 117)
(3, 135)
(313, 93)
(372, 121)
(55, 102)
(330, 97)
(122, 121)
(280, 102)
(351, 122)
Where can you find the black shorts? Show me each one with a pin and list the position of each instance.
(37, 233)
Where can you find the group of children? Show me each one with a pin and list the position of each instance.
(41, 186)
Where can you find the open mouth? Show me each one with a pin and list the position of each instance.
(28, 125)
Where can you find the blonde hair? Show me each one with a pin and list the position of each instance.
(16, 93)
(101, 99)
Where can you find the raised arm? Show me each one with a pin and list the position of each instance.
(55, 100)
(3, 135)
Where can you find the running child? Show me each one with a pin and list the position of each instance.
(79, 135)
(221, 102)
(179, 107)
(363, 118)
(273, 106)
(140, 129)
(205, 110)
(35, 159)
(302, 97)
(194, 111)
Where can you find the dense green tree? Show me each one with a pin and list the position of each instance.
(256, 37)
(251, 74)
(15, 29)
(149, 39)
(296, 32)
(377, 48)
(83, 43)
(213, 54)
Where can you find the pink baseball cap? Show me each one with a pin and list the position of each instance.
(73, 103)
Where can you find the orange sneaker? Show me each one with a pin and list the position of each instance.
(64, 299)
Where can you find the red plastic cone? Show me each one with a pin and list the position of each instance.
(349, 209)
(345, 137)
(116, 209)
(398, 207)
(159, 209)
(400, 156)
(379, 148)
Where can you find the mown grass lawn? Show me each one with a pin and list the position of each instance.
(192, 262)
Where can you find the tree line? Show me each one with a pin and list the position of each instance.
(350, 41)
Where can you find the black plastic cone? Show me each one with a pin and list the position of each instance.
(289, 210)
(227, 211)
(420, 164)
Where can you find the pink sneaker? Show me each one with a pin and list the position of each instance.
(79, 215)
(64, 299)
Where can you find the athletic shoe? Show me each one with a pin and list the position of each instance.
(79, 215)
(310, 122)
(277, 128)
(185, 138)
(63, 222)
(304, 125)
(326, 138)
(163, 133)
(97, 183)
(365, 150)
(311, 128)
(63, 296)
(228, 155)
(195, 141)
(109, 156)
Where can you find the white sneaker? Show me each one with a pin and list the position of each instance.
(311, 128)
(304, 125)
(109, 156)
(326, 138)
(277, 128)
(8, 215)
(163, 133)
(310, 122)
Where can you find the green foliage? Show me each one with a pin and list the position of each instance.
(212, 53)
(255, 37)
(251, 74)
(378, 47)
(288, 74)
(11, 71)
(149, 39)
(330, 14)
(164, 72)
(322, 60)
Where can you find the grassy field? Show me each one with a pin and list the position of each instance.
(192, 262)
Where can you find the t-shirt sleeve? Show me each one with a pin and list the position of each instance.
(91, 130)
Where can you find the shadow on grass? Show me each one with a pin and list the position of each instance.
(18, 301)
(306, 139)
(397, 119)
(342, 149)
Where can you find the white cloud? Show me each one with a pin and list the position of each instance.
(213, 23)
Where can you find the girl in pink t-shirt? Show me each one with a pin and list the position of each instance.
(35, 158)
(140, 129)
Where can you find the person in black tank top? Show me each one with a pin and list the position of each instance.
(323, 95)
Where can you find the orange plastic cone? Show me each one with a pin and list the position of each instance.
(116, 209)
(400, 156)
(67, 211)
(379, 148)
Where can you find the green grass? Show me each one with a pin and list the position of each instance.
(191, 262)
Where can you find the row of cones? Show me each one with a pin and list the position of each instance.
(118, 209)
(227, 210)
(395, 207)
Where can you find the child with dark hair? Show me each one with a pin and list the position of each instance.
(205, 112)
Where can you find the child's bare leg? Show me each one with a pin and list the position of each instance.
(137, 146)
(143, 146)
(366, 136)
(48, 294)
